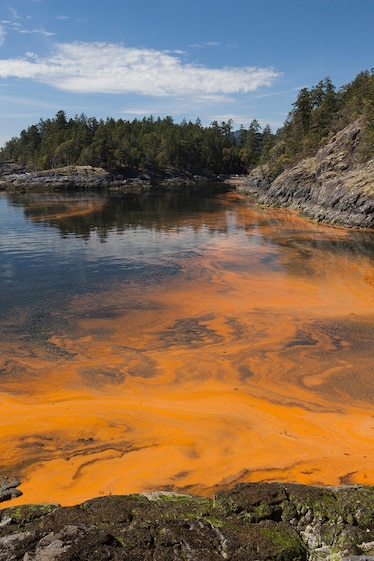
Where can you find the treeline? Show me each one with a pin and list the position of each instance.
(124, 146)
(160, 144)
(318, 114)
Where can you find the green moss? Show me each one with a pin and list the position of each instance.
(279, 539)
(136, 497)
(121, 541)
(281, 543)
(181, 499)
(213, 521)
(27, 513)
(262, 511)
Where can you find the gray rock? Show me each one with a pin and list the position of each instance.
(8, 489)
(251, 522)
(332, 187)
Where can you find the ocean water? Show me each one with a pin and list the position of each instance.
(181, 340)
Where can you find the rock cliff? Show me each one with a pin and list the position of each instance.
(332, 187)
(251, 522)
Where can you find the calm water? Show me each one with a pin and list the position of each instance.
(55, 247)
(227, 337)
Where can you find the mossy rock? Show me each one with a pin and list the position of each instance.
(251, 522)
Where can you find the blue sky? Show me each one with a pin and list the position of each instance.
(207, 59)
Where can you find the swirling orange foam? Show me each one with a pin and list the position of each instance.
(225, 373)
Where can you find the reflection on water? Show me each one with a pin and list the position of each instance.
(182, 341)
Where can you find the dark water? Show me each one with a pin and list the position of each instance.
(56, 246)
(53, 247)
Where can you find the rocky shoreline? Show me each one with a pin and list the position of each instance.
(88, 178)
(333, 187)
(251, 522)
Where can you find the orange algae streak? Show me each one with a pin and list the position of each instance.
(229, 372)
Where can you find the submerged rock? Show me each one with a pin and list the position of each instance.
(254, 521)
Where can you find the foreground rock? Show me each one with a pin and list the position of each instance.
(250, 522)
(8, 489)
(332, 187)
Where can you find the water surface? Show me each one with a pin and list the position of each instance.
(181, 341)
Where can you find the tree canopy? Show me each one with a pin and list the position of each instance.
(124, 146)
(318, 114)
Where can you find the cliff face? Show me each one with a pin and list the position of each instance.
(251, 522)
(332, 187)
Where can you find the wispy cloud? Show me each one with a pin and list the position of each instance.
(213, 45)
(2, 35)
(205, 45)
(113, 68)
(41, 31)
(10, 25)
(138, 111)
(19, 28)
(14, 13)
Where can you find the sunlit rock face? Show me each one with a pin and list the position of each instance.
(253, 362)
(334, 186)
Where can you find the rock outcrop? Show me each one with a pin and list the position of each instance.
(259, 521)
(73, 178)
(67, 178)
(332, 187)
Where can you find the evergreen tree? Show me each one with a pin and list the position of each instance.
(251, 145)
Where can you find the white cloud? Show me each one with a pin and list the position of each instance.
(206, 44)
(13, 25)
(41, 31)
(138, 111)
(17, 27)
(213, 44)
(113, 68)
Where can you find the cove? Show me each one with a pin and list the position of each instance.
(181, 341)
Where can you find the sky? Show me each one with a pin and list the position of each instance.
(212, 60)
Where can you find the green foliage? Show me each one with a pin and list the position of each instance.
(147, 144)
(318, 114)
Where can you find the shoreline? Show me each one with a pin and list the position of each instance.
(251, 522)
(75, 178)
(332, 187)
